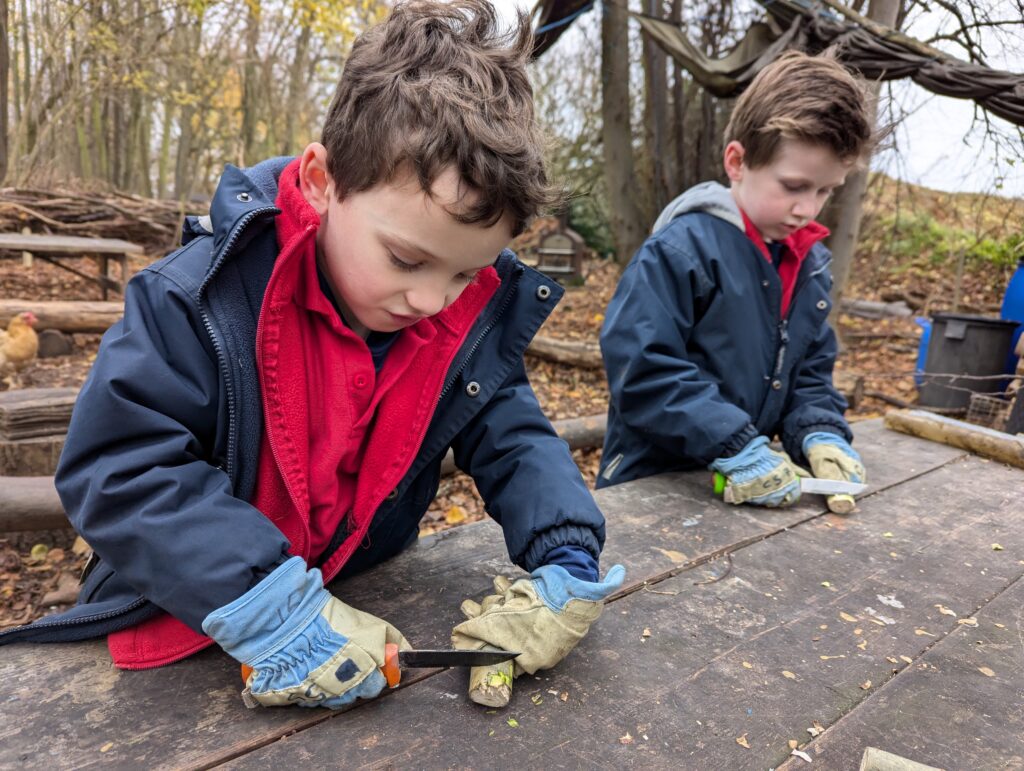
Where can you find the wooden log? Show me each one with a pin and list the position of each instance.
(30, 503)
(65, 315)
(579, 433)
(956, 433)
(578, 353)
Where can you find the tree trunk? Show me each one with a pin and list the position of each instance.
(26, 80)
(250, 84)
(628, 230)
(843, 214)
(297, 90)
(5, 67)
(655, 116)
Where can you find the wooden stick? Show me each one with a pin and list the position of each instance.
(491, 686)
(986, 442)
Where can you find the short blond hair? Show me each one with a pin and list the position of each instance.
(809, 98)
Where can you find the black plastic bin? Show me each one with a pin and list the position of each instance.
(964, 345)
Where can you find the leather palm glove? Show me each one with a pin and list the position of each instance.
(542, 617)
(832, 457)
(305, 646)
(758, 474)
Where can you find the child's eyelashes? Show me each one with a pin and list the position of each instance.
(409, 267)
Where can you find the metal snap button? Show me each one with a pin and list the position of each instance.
(392, 495)
(244, 197)
(776, 384)
(472, 388)
(765, 283)
(543, 292)
(822, 305)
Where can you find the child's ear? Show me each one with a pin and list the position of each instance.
(314, 179)
(733, 160)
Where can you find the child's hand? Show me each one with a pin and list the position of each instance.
(832, 457)
(543, 616)
(759, 475)
(305, 646)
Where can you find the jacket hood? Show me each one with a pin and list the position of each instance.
(709, 197)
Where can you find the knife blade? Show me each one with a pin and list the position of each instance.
(453, 658)
(830, 486)
(395, 660)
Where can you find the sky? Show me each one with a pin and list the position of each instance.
(937, 144)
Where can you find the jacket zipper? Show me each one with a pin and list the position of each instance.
(492, 322)
(784, 325)
(218, 349)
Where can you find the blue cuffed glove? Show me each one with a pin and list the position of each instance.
(832, 457)
(305, 646)
(758, 474)
(543, 616)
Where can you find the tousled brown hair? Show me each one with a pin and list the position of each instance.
(809, 98)
(437, 84)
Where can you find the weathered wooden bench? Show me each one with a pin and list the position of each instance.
(738, 630)
(52, 248)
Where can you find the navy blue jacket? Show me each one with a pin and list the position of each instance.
(698, 359)
(161, 455)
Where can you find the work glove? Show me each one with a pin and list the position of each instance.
(832, 457)
(542, 617)
(305, 646)
(758, 474)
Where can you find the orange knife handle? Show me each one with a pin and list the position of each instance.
(391, 670)
(246, 671)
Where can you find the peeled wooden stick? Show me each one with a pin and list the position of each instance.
(840, 504)
(491, 686)
(997, 445)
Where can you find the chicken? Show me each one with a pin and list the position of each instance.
(18, 345)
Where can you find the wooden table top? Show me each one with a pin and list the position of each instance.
(898, 626)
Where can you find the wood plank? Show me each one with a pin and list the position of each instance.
(189, 714)
(29, 412)
(946, 710)
(761, 653)
(41, 242)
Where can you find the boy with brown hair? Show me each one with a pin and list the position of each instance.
(717, 337)
(273, 410)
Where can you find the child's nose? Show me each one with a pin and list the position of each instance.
(806, 207)
(425, 301)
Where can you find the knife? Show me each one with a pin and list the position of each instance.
(807, 485)
(396, 660)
